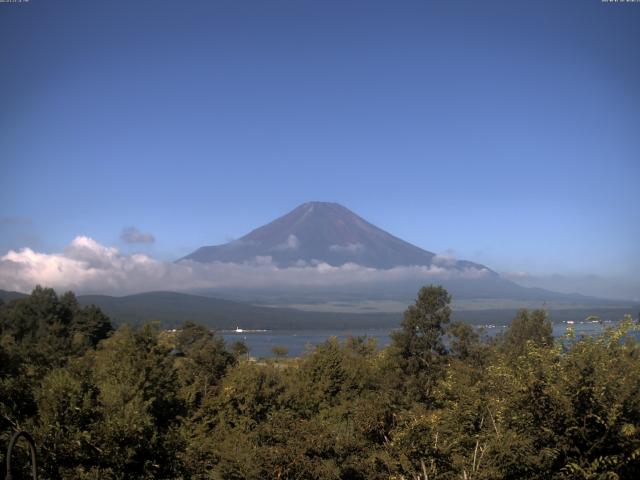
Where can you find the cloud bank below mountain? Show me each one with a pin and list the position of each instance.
(622, 288)
(87, 266)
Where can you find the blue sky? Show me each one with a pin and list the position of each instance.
(507, 132)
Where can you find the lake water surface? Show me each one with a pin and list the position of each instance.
(297, 341)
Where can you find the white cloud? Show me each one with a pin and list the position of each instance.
(348, 248)
(516, 276)
(446, 259)
(133, 235)
(86, 266)
(292, 243)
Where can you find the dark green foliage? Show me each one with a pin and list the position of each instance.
(203, 363)
(464, 341)
(438, 403)
(39, 333)
(418, 350)
(528, 327)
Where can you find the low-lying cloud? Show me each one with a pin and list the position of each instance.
(86, 266)
(133, 235)
(516, 276)
(349, 248)
(446, 259)
(621, 288)
(292, 243)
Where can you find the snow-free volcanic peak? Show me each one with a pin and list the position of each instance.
(322, 232)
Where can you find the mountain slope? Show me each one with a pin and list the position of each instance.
(172, 309)
(326, 232)
(7, 296)
(330, 233)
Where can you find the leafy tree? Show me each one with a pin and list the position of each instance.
(90, 326)
(440, 402)
(528, 327)
(68, 412)
(39, 333)
(239, 349)
(204, 363)
(112, 413)
(220, 435)
(280, 351)
(418, 350)
(601, 382)
(464, 342)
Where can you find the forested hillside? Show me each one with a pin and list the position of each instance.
(142, 403)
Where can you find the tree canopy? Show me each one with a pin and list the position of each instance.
(440, 402)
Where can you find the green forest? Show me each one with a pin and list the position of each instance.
(440, 402)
